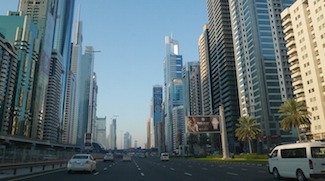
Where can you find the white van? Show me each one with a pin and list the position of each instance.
(298, 160)
(164, 157)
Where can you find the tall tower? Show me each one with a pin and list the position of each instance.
(157, 112)
(21, 32)
(86, 83)
(43, 13)
(205, 78)
(71, 116)
(220, 67)
(305, 42)
(112, 135)
(264, 80)
(173, 65)
(62, 46)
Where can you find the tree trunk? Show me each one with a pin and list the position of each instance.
(250, 147)
(298, 132)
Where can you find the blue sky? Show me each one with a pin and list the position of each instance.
(130, 35)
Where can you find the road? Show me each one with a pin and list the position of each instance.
(151, 168)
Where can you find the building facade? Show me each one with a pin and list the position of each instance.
(220, 65)
(173, 65)
(303, 24)
(27, 44)
(263, 74)
(43, 14)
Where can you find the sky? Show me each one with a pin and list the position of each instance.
(130, 37)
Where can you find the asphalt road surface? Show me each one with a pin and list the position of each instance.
(152, 169)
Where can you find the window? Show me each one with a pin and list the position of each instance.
(318, 152)
(294, 153)
(274, 154)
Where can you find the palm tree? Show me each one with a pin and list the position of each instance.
(294, 114)
(247, 130)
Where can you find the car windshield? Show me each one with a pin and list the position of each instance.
(318, 152)
(80, 157)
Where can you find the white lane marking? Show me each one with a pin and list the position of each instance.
(105, 168)
(172, 168)
(204, 168)
(230, 173)
(142, 174)
(231, 167)
(139, 168)
(188, 174)
(244, 169)
(96, 173)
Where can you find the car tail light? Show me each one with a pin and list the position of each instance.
(311, 166)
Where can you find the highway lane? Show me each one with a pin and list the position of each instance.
(151, 168)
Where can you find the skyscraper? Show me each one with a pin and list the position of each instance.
(112, 135)
(62, 46)
(192, 89)
(264, 80)
(87, 91)
(101, 131)
(72, 100)
(203, 44)
(304, 28)
(43, 13)
(21, 32)
(217, 58)
(173, 65)
(8, 64)
(157, 112)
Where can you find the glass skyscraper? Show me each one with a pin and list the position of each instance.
(173, 66)
(264, 80)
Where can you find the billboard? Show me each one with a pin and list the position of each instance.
(202, 124)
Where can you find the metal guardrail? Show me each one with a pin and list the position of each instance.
(12, 170)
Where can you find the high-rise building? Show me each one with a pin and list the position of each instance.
(173, 65)
(157, 112)
(192, 89)
(264, 78)
(100, 133)
(8, 74)
(303, 25)
(20, 32)
(127, 140)
(71, 118)
(178, 127)
(86, 95)
(112, 135)
(219, 62)
(51, 131)
(43, 13)
(62, 46)
(206, 96)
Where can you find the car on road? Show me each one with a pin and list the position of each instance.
(109, 157)
(298, 160)
(81, 162)
(164, 157)
(126, 158)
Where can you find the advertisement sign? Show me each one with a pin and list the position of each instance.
(202, 124)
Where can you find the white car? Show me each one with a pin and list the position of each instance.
(109, 157)
(164, 157)
(81, 162)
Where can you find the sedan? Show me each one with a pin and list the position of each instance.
(81, 162)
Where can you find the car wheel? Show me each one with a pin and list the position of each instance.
(300, 175)
(276, 174)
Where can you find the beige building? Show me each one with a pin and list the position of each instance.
(304, 26)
